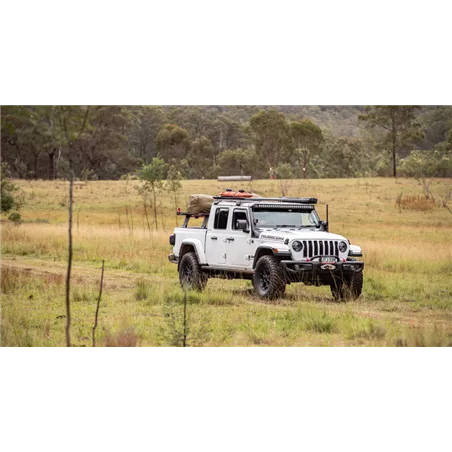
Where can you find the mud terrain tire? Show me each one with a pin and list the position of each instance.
(348, 290)
(268, 280)
(190, 274)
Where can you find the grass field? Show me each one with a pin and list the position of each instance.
(407, 297)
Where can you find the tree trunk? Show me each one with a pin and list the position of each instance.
(36, 165)
(394, 168)
(394, 145)
(52, 165)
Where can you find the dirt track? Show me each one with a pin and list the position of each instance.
(125, 280)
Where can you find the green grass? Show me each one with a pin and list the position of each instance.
(407, 297)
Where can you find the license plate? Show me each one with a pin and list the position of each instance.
(328, 259)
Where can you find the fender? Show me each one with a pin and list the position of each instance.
(355, 251)
(269, 248)
(198, 247)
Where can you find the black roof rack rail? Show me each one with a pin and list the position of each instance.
(188, 216)
(195, 215)
(254, 199)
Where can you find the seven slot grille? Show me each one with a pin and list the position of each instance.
(313, 248)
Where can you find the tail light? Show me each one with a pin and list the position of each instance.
(172, 239)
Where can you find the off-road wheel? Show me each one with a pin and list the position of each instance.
(268, 280)
(190, 274)
(348, 289)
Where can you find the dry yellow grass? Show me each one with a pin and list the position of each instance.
(407, 297)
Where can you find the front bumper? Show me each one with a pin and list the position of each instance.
(320, 272)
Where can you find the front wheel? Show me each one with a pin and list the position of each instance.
(268, 279)
(348, 289)
(190, 274)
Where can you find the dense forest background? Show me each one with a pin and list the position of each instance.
(112, 142)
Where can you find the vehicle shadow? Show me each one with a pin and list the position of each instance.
(287, 298)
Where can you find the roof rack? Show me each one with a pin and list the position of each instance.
(188, 216)
(195, 215)
(257, 199)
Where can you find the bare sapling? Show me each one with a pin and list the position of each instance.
(78, 216)
(69, 264)
(399, 201)
(446, 198)
(184, 340)
(98, 304)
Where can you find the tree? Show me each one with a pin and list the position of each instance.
(146, 123)
(11, 198)
(102, 149)
(172, 142)
(270, 134)
(436, 122)
(73, 122)
(229, 134)
(345, 158)
(308, 140)
(284, 174)
(152, 176)
(174, 185)
(238, 162)
(200, 158)
(399, 123)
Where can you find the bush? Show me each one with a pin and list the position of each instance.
(284, 171)
(15, 218)
(11, 196)
(141, 290)
(432, 163)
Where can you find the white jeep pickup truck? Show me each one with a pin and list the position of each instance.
(271, 241)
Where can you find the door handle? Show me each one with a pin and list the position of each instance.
(213, 237)
(230, 239)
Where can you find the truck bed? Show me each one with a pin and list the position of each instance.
(192, 233)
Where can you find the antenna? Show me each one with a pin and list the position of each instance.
(327, 222)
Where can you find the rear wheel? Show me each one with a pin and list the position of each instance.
(348, 289)
(190, 274)
(268, 279)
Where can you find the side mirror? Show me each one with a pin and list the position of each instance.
(324, 225)
(243, 225)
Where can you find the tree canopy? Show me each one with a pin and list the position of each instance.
(107, 142)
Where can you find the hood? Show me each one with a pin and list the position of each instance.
(301, 234)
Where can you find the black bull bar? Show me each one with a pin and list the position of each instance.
(325, 272)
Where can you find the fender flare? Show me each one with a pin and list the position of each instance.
(268, 249)
(197, 246)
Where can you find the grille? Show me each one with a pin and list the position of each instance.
(313, 248)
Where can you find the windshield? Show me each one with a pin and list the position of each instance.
(290, 218)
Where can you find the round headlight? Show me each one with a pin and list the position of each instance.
(297, 246)
(342, 247)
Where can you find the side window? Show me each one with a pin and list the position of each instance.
(221, 218)
(238, 215)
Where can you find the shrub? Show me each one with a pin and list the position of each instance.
(11, 196)
(15, 218)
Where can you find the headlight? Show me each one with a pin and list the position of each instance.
(297, 246)
(342, 247)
